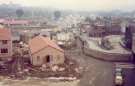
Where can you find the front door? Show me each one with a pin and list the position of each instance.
(47, 59)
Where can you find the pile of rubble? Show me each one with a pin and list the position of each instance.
(69, 69)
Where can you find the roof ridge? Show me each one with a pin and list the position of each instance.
(46, 42)
(46, 39)
(43, 38)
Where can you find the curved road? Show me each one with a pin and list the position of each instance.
(95, 72)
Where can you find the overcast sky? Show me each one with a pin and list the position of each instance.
(91, 5)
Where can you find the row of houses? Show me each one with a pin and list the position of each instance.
(42, 50)
(99, 30)
(13, 22)
(65, 39)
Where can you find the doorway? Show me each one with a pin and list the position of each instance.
(47, 59)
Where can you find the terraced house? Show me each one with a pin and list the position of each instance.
(5, 44)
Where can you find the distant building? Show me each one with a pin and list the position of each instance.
(13, 22)
(128, 38)
(113, 29)
(93, 30)
(97, 31)
(133, 42)
(5, 44)
(133, 47)
(45, 51)
(65, 39)
(15, 36)
(132, 26)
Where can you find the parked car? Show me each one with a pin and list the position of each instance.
(118, 77)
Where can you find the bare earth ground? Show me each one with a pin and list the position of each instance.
(95, 73)
(36, 82)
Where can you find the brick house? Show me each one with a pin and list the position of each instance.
(45, 51)
(5, 43)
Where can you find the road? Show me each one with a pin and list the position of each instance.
(100, 73)
(95, 72)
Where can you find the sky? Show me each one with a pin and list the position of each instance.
(90, 5)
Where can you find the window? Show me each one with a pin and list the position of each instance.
(4, 41)
(58, 57)
(38, 58)
(4, 50)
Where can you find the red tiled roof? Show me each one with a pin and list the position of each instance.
(12, 21)
(16, 22)
(5, 34)
(40, 42)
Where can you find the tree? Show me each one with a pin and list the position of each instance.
(19, 12)
(105, 44)
(57, 15)
(88, 19)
